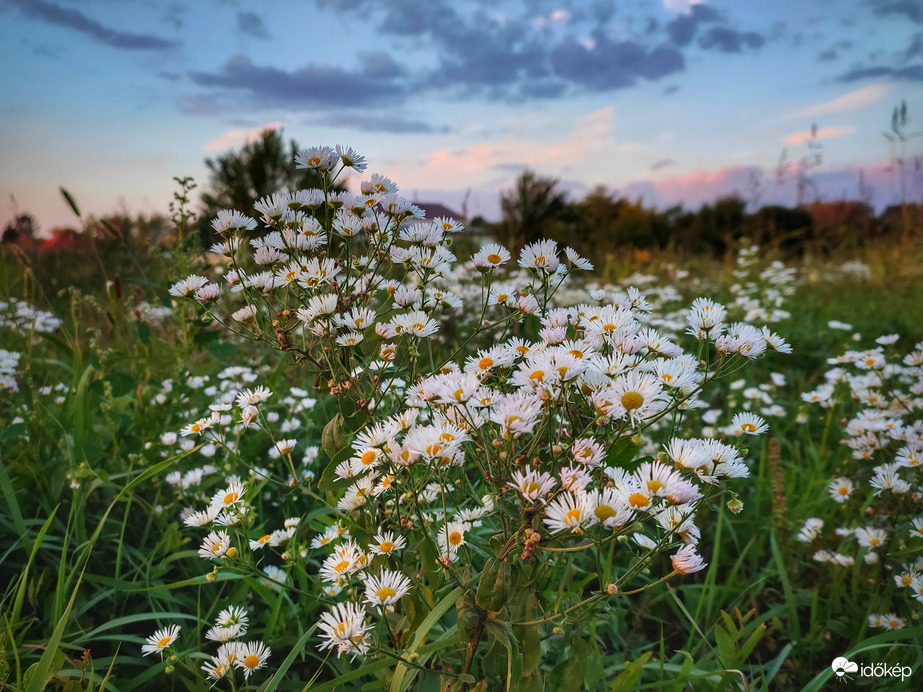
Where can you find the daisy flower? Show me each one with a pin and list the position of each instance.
(231, 495)
(451, 537)
(387, 588)
(569, 511)
(160, 640)
(215, 544)
(840, 489)
(252, 656)
(233, 615)
(344, 628)
(747, 423)
(188, 286)
(385, 543)
(251, 397)
(687, 561)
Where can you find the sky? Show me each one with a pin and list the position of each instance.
(670, 101)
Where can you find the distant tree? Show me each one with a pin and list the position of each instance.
(22, 226)
(530, 209)
(239, 178)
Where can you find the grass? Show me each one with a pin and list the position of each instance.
(98, 567)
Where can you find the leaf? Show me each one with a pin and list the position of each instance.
(333, 439)
(629, 678)
(621, 452)
(71, 202)
(571, 673)
(727, 647)
(273, 683)
(422, 632)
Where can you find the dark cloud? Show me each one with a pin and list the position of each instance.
(730, 41)
(913, 51)
(376, 123)
(73, 19)
(251, 23)
(174, 16)
(683, 28)
(310, 86)
(913, 73)
(828, 55)
(613, 64)
(380, 65)
(911, 9)
(663, 163)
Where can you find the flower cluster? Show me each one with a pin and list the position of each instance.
(530, 429)
(877, 487)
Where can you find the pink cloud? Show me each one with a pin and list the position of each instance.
(797, 138)
(235, 138)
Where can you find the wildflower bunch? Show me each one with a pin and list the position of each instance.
(470, 463)
(761, 294)
(879, 392)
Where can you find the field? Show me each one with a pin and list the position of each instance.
(330, 454)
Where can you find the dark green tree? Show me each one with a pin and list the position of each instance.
(531, 209)
(238, 178)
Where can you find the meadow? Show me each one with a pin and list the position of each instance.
(336, 452)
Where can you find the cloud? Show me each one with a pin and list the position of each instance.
(911, 9)
(377, 123)
(73, 19)
(663, 163)
(309, 86)
(912, 73)
(235, 138)
(592, 135)
(682, 6)
(729, 40)
(613, 64)
(796, 138)
(251, 23)
(683, 28)
(853, 100)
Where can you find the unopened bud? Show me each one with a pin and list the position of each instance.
(169, 670)
(211, 577)
(612, 589)
(736, 506)
(231, 552)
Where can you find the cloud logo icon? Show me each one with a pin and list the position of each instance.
(841, 666)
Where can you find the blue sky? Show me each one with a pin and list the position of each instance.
(672, 100)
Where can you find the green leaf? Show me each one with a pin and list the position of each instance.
(282, 670)
(569, 675)
(622, 452)
(422, 632)
(333, 439)
(144, 333)
(629, 678)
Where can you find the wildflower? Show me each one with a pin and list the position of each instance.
(160, 640)
(344, 627)
(532, 485)
(224, 633)
(252, 656)
(188, 286)
(810, 530)
(387, 588)
(201, 425)
(490, 256)
(252, 397)
(840, 489)
(215, 544)
(687, 561)
(229, 496)
(233, 615)
(540, 256)
(569, 511)
(746, 423)
(451, 537)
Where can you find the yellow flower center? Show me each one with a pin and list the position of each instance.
(502, 297)
(906, 579)
(639, 500)
(163, 642)
(537, 376)
(875, 542)
(531, 488)
(368, 457)
(573, 517)
(455, 538)
(485, 363)
(604, 512)
(654, 485)
(386, 546)
(252, 661)
(632, 401)
(230, 498)
(748, 427)
(195, 427)
(384, 593)
(341, 567)
(843, 490)
(263, 539)
(494, 258)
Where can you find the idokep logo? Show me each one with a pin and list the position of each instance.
(842, 668)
